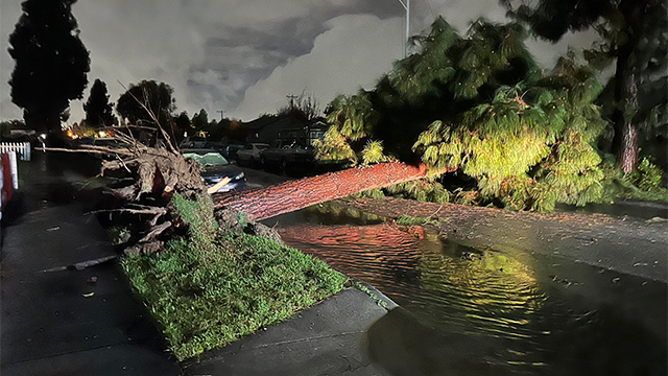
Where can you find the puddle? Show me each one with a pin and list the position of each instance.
(466, 311)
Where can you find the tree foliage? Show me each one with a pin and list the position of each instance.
(521, 137)
(199, 122)
(158, 98)
(99, 112)
(633, 36)
(180, 124)
(51, 62)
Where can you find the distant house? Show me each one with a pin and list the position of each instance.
(17, 132)
(288, 126)
(317, 130)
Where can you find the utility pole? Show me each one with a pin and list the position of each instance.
(407, 6)
(221, 114)
(292, 100)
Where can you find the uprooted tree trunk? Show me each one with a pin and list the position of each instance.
(262, 203)
(160, 171)
(156, 173)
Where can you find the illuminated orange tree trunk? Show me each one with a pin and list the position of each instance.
(293, 195)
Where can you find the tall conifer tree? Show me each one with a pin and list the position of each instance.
(51, 62)
(99, 112)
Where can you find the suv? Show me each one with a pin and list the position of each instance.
(287, 152)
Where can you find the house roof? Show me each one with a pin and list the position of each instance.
(262, 122)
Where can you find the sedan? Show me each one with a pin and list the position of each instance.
(250, 154)
(216, 170)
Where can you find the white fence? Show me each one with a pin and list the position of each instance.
(21, 148)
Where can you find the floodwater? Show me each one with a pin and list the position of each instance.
(472, 312)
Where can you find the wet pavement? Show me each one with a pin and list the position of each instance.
(629, 245)
(56, 319)
(67, 308)
(488, 311)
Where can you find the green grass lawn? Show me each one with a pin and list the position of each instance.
(211, 288)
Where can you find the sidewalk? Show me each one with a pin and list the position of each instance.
(55, 319)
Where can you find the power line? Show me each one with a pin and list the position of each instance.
(430, 10)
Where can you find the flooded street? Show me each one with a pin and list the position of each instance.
(466, 311)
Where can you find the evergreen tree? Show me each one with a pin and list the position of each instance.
(199, 122)
(99, 112)
(157, 97)
(51, 62)
(218, 130)
(633, 36)
(180, 124)
(521, 138)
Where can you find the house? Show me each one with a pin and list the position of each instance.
(317, 130)
(286, 126)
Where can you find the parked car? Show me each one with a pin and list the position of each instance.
(193, 142)
(251, 154)
(286, 153)
(215, 168)
(220, 147)
(107, 142)
(232, 149)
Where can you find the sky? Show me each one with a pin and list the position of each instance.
(243, 57)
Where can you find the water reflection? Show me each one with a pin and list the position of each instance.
(487, 312)
(485, 292)
(380, 254)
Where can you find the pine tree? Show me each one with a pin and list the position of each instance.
(99, 112)
(51, 62)
(633, 37)
(481, 105)
(199, 122)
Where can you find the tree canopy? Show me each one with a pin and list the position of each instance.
(516, 136)
(99, 112)
(158, 97)
(51, 62)
(633, 36)
(199, 122)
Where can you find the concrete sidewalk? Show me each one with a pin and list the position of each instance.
(57, 320)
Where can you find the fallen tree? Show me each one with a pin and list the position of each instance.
(160, 171)
(293, 195)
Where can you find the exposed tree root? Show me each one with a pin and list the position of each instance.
(159, 171)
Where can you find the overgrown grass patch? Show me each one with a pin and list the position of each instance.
(211, 288)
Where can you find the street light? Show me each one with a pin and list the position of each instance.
(407, 6)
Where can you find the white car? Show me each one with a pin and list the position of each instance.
(250, 154)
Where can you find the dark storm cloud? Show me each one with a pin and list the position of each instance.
(243, 56)
(249, 54)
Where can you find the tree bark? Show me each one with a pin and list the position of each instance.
(626, 132)
(628, 155)
(625, 141)
(290, 196)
